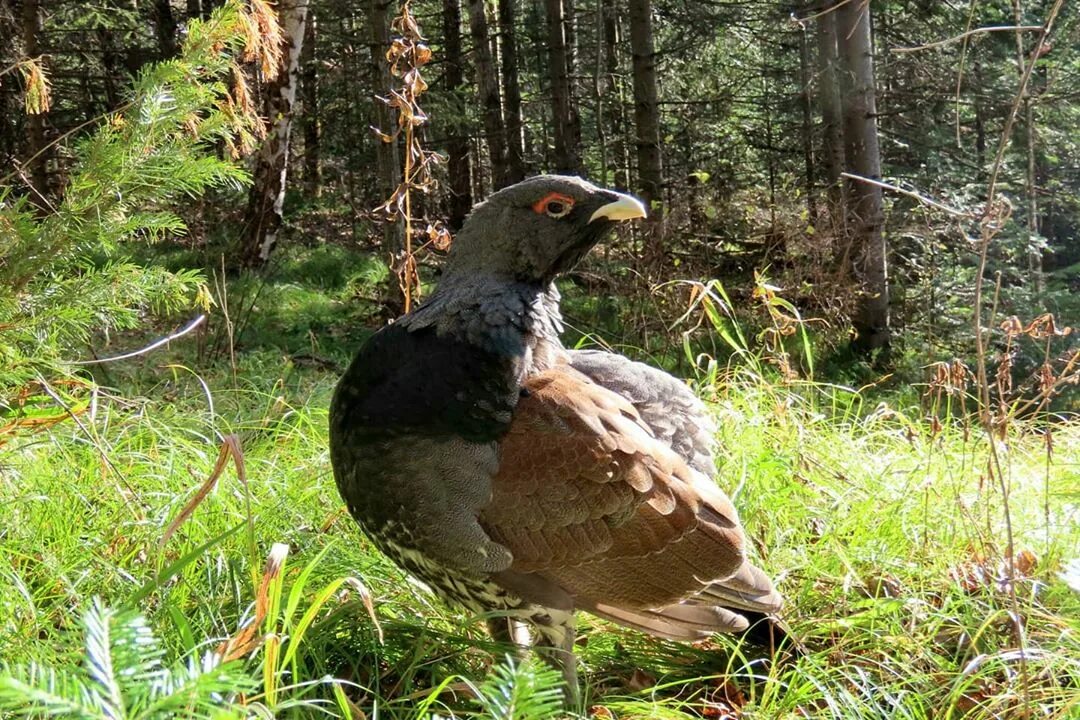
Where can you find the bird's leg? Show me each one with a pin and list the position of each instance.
(510, 632)
(555, 644)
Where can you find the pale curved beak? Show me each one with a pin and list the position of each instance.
(625, 208)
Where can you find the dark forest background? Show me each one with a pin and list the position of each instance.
(733, 120)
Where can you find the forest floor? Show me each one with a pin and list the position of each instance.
(886, 533)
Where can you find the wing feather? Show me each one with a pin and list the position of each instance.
(588, 499)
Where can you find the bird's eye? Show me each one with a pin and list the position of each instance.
(557, 208)
(554, 205)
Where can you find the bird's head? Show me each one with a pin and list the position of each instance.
(538, 228)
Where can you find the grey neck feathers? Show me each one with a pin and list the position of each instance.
(497, 313)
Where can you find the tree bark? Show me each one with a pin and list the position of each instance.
(37, 152)
(831, 121)
(309, 85)
(487, 85)
(865, 213)
(264, 213)
(457, 143)
(515, 138)
(567, 124)
(647, 117)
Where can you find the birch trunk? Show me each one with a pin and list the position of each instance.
(264, 214)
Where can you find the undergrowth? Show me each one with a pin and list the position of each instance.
(877, 520)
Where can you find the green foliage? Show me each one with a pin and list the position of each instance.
(63, 276)
(123, 676)
(521, 691)
(884, 535)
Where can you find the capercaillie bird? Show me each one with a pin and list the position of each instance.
(512, 475)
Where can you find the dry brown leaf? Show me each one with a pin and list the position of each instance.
(360, 589)
(245, 641)
(979, 573)
(640, 680)
(230, 447)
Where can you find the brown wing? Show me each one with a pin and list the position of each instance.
(587, 499)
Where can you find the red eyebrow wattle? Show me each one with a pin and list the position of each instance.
(539, 205)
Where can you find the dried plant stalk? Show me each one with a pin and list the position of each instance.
(407, 55)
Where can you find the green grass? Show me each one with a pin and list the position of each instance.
(886, 537)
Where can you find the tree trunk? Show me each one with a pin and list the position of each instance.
(598, 93)
(567, 124)
(165, 26)
(457, 144)
(1034, 253)
(865, 214)
(194, 9)
(617, 115)
(805, 105)
(11, 115)
(647, 118)
(980, 121)
(487, 84)
(264, 213)
(309, 85)
(387, 164)
(515, 137)
(831, 121)
(37, 152)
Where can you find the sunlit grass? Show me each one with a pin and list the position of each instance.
(885, 533)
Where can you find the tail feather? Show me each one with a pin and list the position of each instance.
(676, 622)
(748, 589)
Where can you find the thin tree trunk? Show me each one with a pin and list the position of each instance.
(865, 215)
(805, 105)
(1034, 253)
(264, 214)
(309, 85)
(387, 165)
(598, 92)
(37, 153)
(564, 116)
(194, 9)
(487, 84)
(770, 152)
(515, 139)
(457, 144)
(980, 120)
(647, 119)
(831, 121)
